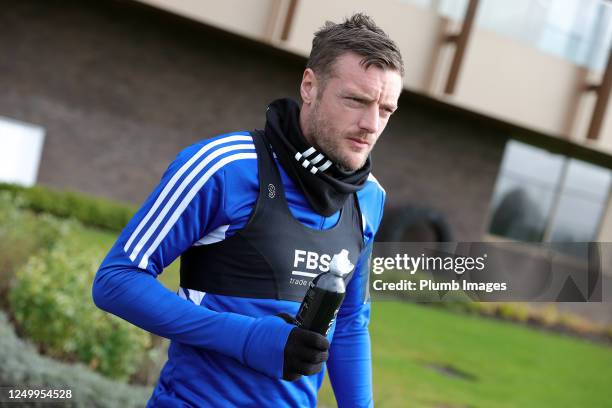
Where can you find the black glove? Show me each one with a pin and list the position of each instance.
(305, 352)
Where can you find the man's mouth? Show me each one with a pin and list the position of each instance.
(359, 142)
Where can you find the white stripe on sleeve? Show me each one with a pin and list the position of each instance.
(168, 187)
(185, 202)
(179, 191)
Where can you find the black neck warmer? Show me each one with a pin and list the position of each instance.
(324, 184)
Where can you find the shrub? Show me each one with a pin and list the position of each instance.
(22, 366)
(579, 325)
(23, 234)
(548, 315)
(512, 311)
(51, 302)
(97, 212)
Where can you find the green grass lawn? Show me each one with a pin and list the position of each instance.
(506, 365)
(104, 240)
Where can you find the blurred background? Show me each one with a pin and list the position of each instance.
(504, 133)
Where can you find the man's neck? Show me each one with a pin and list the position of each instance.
(303, 119)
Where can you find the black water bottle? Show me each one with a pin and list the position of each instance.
(324, 296)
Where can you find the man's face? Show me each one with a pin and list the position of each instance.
(345, 118)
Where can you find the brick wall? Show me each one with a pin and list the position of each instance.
(121, 89)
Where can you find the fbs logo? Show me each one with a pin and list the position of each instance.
(311, 261)
(308, 264)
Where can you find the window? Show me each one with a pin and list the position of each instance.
(577, 30)
(545, 197)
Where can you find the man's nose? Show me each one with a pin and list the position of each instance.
(369, 121)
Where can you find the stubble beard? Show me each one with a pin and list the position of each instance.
(328, 140)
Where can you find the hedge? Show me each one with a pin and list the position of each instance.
(91, 211)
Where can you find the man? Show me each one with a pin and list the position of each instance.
(254, 216)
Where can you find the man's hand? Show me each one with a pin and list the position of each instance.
(305, 353)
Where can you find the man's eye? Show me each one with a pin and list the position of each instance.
(353, 99)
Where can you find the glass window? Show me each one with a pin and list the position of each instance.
(524, 193)
(541, 196)
(582, 202)
(577, 30)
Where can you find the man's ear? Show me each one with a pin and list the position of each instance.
(308, 87)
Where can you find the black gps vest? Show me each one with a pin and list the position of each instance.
(274, 256)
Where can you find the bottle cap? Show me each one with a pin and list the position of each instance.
(340, 264)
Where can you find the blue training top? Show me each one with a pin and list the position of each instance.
(227, 350)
